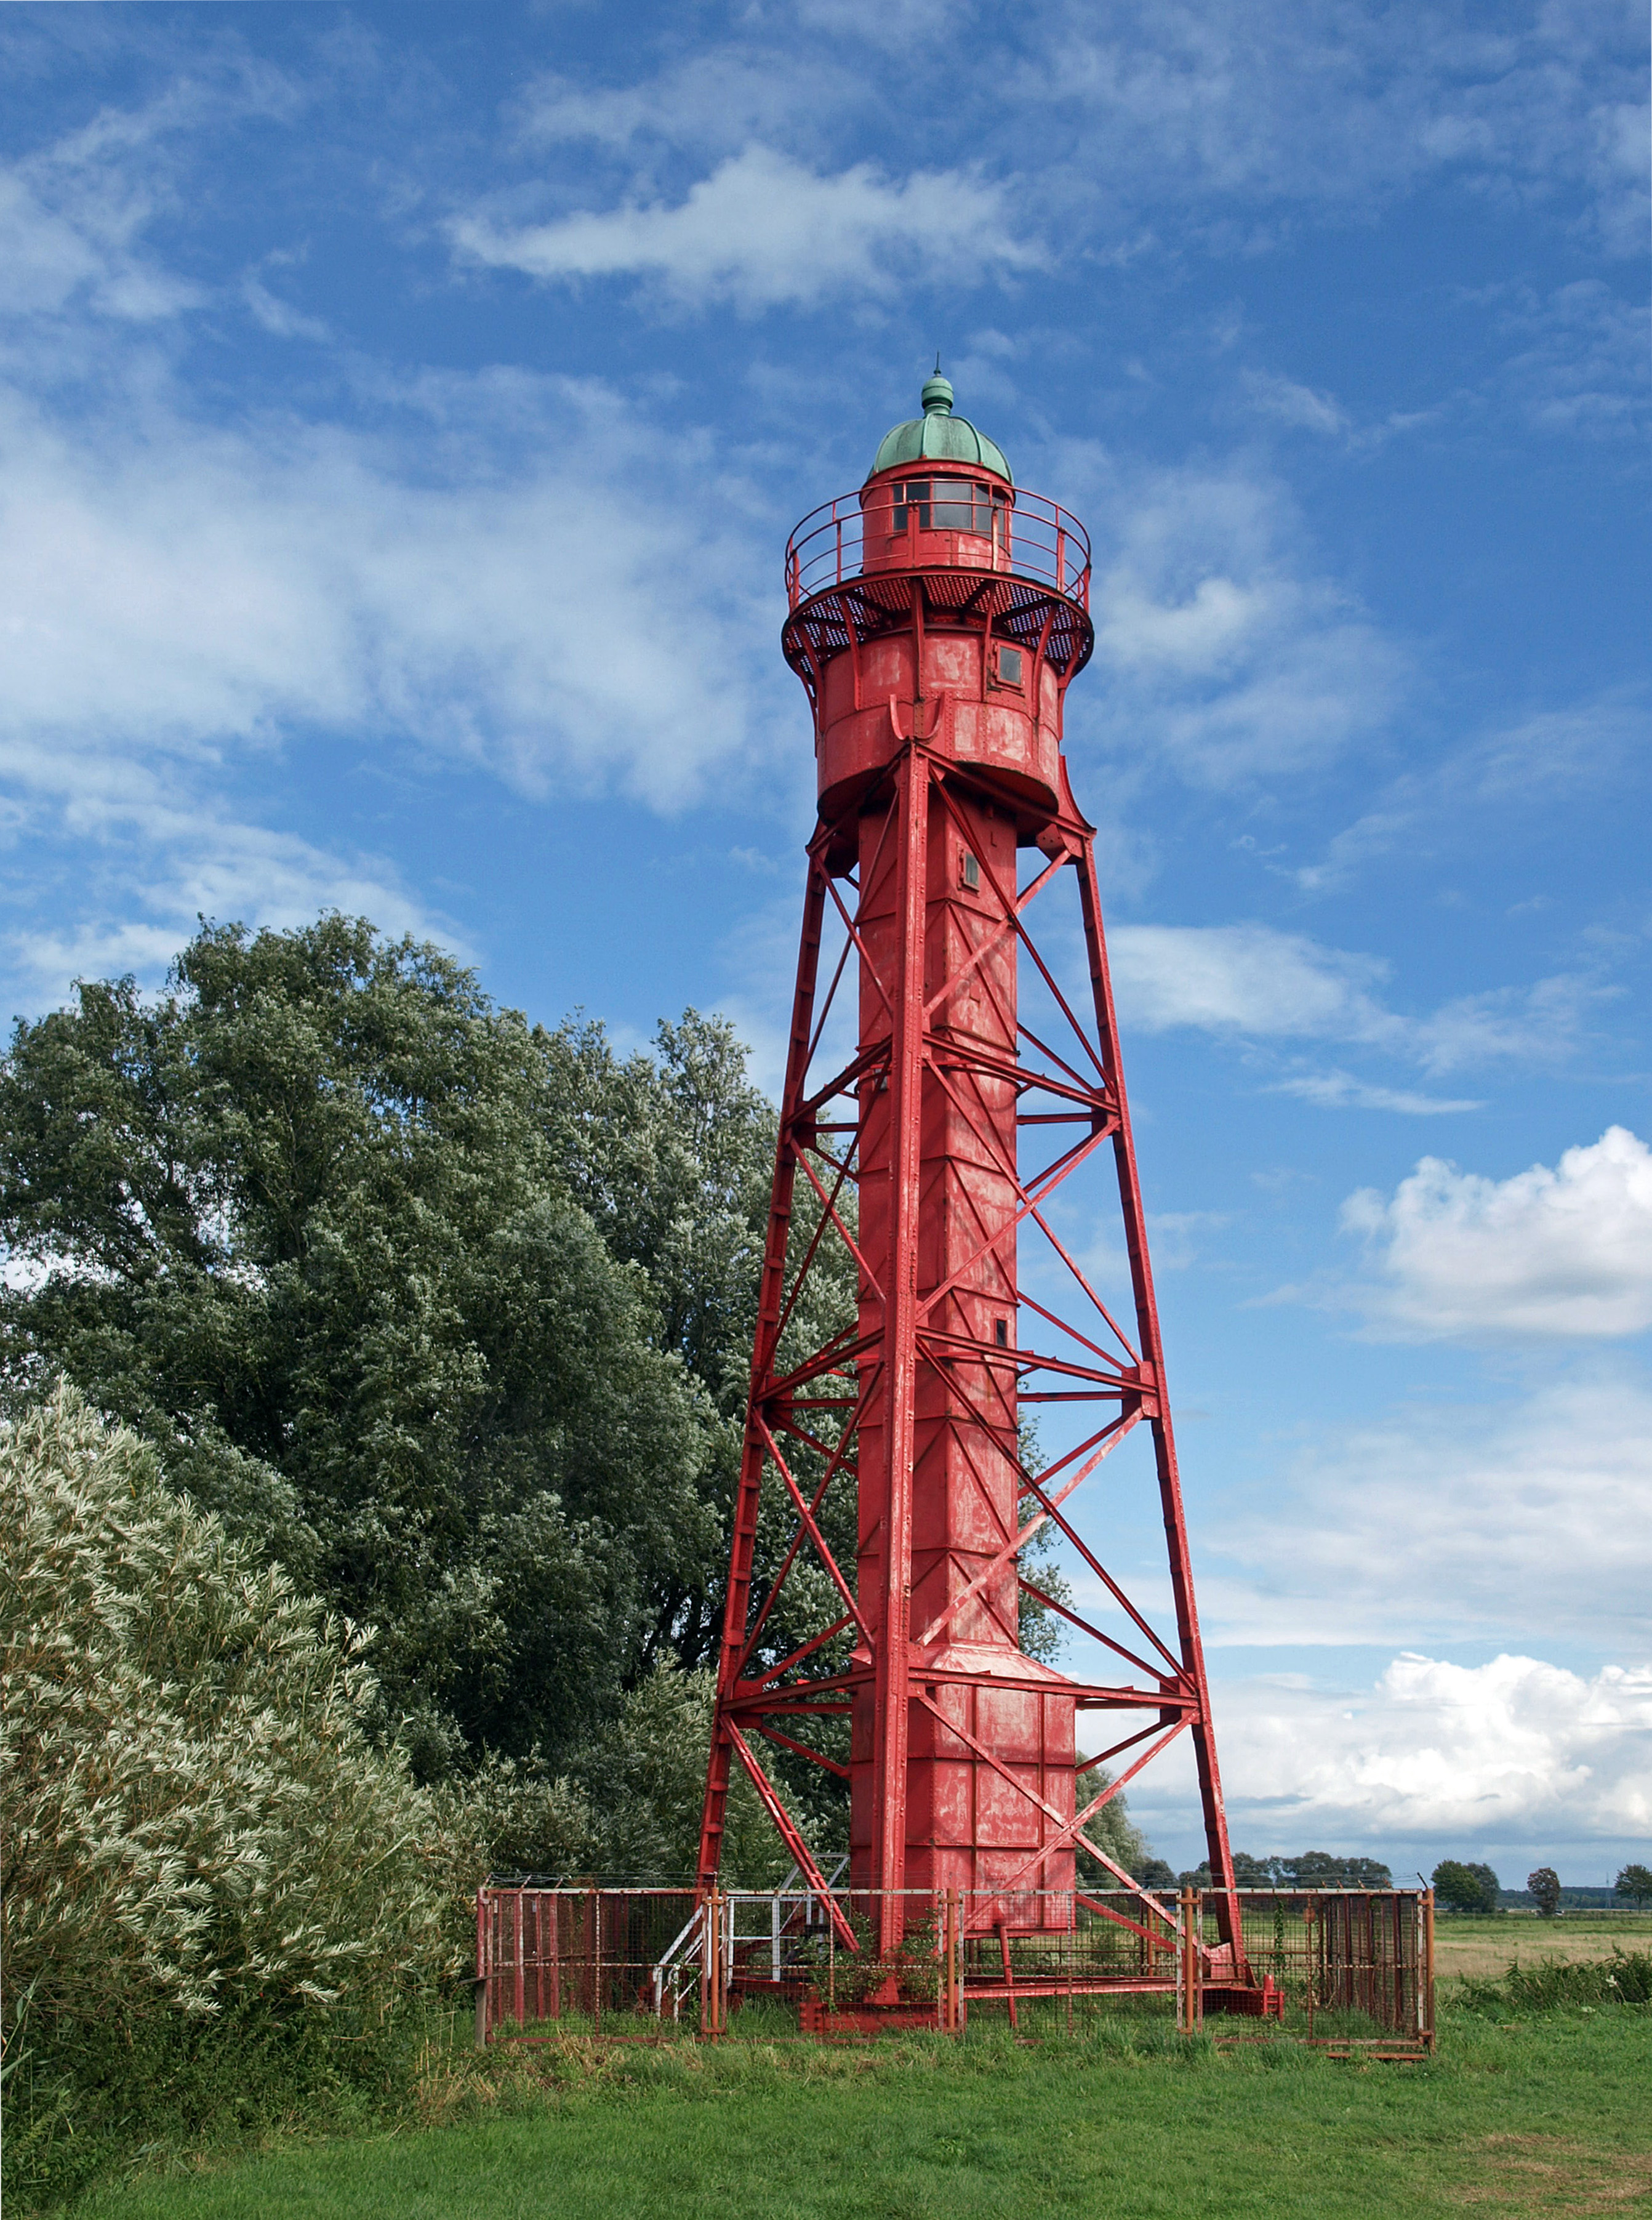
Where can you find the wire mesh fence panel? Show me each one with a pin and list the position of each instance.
(558, 1955)
(1350, 1968)
(1345, 1965)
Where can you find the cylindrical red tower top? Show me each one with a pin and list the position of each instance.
(939, 581)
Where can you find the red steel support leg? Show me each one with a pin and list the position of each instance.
(1009, 1974)
(1155, 1406)
(770, 1298)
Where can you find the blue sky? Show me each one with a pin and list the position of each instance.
(403, 409)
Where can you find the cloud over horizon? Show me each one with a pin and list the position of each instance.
(1513, 1750)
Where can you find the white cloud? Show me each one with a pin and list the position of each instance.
(1527, 1024)
(1551, 759)
(1581, 363)
(1223, 652)
(137, 891)
(1274, 106)
(1341, 1090)
(1232, 120)
(1247, 979)
(1251, 981)
(1513, 1748)
(1543, 1253)
(278, 317)
(73, 214)
(764, 230)
(534, 576)
(1531, 1521)
(171, 586)
(1526, 1528)
(721, 99)
(1176, 1235)
(1298, 406)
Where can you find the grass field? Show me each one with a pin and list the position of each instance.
(1551, 2116)
(1479, 1949)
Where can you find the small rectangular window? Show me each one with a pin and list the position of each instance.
(971, 871)
(911, 502)
(1009, 666)
(1001, 1332)
(955, 506)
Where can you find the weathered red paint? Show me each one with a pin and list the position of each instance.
(937, 664)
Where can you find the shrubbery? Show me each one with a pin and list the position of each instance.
(1625, 1978)
(198, 1828)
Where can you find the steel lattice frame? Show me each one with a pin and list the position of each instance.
(1074, 1080)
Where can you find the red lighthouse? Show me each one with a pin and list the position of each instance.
(937, 619)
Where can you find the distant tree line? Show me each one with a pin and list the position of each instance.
(1309, 1869)
(1460, 1888)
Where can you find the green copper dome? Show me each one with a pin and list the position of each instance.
(939, 436)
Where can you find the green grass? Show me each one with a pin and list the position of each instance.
(1547, 2116)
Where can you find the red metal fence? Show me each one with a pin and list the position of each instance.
(1342, 1969)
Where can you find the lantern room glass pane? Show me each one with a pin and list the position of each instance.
(948, 505)
(954, 506)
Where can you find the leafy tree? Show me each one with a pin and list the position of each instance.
(451, 1317)
(627, 1807)
(670, 1156)
(1114, 1832)
(1634, 1884)
(1154, 1872)
(302, 1220)
(1041, 1630)
(1491, 1889)
(1460, 1888)
(1545, 1888)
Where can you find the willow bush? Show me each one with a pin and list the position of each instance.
(198, 1832)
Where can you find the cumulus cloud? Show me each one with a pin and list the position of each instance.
(1513, 1748)
(1566, 1252)
(1525, 1529)
(1451, 1524)
(764, 230)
